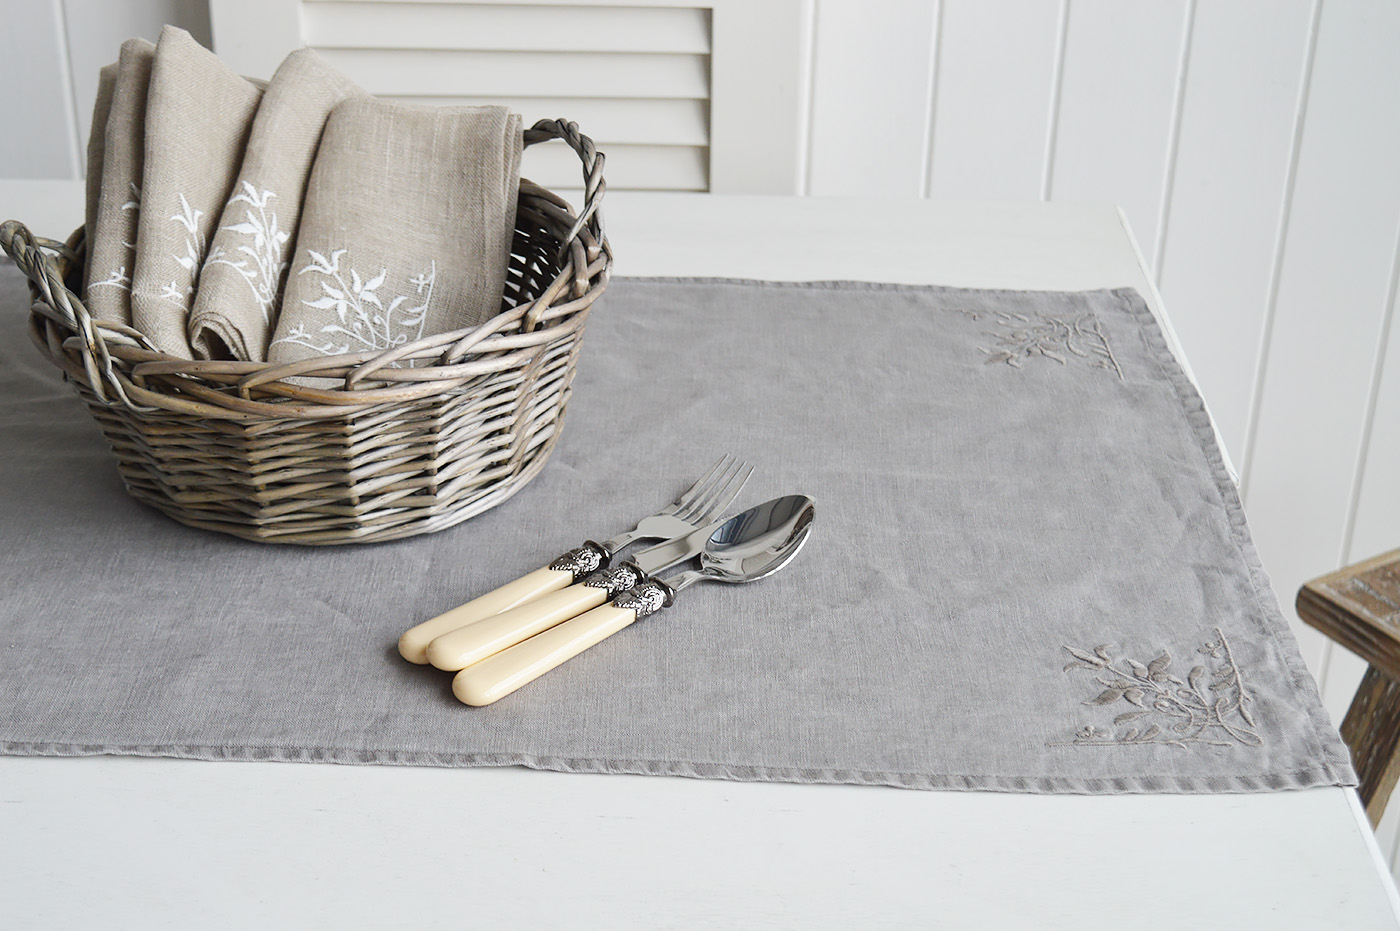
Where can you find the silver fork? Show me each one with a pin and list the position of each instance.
(710, 494)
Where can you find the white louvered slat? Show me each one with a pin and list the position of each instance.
(341, 24)
(524, 74)
(631, 121)
(635, 78)
(628, 167)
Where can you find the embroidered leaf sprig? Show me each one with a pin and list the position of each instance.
(1020, 337)
(262, 265)
(362, 320)
(1210, 706)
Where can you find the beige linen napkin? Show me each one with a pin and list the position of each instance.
(241, 282)
(96, 147)
(111, 230)
(198, 115)
(407, 227)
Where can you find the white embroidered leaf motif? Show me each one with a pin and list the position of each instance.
(363, 320)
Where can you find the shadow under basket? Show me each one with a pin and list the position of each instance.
(388, 444)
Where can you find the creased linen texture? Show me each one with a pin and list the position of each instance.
(241, 282)
(96, 146)
(111, 231)
(1029, 570)
(406, 230)
(198, 116)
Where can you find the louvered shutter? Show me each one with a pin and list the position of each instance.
(681, 96)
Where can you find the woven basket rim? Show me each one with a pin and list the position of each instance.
(120, 367)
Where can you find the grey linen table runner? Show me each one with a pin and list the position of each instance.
(1029, 571)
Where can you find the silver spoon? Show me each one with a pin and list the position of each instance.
(747, 547)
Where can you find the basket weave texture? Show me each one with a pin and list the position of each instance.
(387, 444)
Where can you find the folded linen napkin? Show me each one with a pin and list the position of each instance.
(406, 230)
(96, 147)
(111, 227)
(198, 115)
(241, 282)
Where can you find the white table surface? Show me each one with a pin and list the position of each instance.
(170, 843)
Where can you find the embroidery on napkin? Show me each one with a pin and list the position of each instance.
(262, 242)
(119, 277)
(362, 319)
(1212, 705)
(1020, 337)
(189, 218)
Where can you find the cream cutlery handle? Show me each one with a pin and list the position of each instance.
(473, 643)
(413, 645)
(497, 676)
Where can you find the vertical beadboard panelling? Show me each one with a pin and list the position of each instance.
(996, 69)
(871, 97)
(1117, 103)
(1230, 177)
(1375, 518)
(1333, 284)
(40, 137)
(97, 28)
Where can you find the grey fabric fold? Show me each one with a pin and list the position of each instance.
(241, 282)
(112, 228)
(1029, 570)
(406, 229)
(198, 115)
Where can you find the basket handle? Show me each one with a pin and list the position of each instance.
(593, 184)
(60, 305)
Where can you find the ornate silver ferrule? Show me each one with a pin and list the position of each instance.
(587, 558)
(616, 580)
(648, 598)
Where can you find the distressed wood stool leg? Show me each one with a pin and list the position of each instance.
(1372, 732)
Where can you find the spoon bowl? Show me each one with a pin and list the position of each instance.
(755, 544)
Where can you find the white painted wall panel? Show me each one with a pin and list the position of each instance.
(996, 72)
(870, 105)
(1231, 177)
(1332, 294)
(95, 30)
(40, 135)
(1376, 522)
(1116, 107)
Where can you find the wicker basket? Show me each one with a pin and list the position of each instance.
(386, 450)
